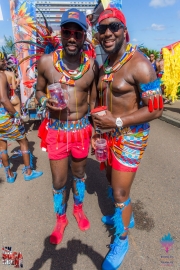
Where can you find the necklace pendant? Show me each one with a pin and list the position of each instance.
(108, 69)
(73, 72)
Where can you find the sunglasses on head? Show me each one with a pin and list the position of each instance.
(113, 27)
(67, 34)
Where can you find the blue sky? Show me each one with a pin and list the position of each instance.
(153, 23)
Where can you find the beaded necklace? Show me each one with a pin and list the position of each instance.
(109, 71)
(70, 76)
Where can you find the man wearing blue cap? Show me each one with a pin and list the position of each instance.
(69, 129)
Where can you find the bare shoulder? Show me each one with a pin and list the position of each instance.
(142, 70)
(44, 60)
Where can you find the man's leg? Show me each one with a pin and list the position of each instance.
(59, 170)
(10, 176)
(121, 183)
(28, 160)
(79, 177)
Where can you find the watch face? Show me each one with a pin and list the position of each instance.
(119, 122)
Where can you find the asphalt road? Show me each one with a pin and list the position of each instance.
(27, 218)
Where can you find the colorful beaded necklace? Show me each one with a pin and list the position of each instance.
(128, 54)
(70, 76)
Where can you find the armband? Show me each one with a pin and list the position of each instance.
(43, 101)
(16, 115)
(149, 90)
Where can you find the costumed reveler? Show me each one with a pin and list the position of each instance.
(129, 89)
(12, 63)
(12, 129)
(69, 75)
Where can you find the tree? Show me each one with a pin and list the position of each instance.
(8, 47)
(149, 51)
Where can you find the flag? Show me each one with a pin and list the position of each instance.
(112, 3)
(1, 15)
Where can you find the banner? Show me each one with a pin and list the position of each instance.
(112, 3)
(23, 15)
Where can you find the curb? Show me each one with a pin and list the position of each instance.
(170, 120)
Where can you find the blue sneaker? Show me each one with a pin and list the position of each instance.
(116, 255)
(107, 220)
(11, 179)
(33, 175)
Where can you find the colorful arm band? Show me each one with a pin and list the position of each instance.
(43, 101)
(149, 90)
(16, 115)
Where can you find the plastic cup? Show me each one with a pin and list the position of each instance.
(57, 93)
(101, 151)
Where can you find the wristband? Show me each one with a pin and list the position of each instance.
(43, 101)
(16, 115)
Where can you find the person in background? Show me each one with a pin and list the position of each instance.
(153, 62)
(12, 129)
(13, 83)
(128, 86)
(88, 44)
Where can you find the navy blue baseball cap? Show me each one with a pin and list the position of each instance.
(75, 16)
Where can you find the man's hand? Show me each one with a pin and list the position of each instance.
(52, 103)
(105, 121)
(94, 138)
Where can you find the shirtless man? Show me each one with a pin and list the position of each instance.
(69, 129)
(132, 100)
(12, 129)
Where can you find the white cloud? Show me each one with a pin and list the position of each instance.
(162, 3)
(134, 40)
(1, 15)
(157, 27)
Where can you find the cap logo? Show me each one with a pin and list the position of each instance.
(74, 15)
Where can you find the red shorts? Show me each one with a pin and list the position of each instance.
(62, 143)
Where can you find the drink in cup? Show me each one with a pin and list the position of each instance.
(57, 93)
(101, 151)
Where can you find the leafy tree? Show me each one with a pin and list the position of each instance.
(8, 47)
(147, 51)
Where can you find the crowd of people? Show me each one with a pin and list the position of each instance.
(126, 86)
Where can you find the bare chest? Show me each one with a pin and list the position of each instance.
(120, 83)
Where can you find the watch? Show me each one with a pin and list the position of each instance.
(119, 122)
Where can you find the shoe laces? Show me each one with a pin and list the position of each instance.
(115, 248)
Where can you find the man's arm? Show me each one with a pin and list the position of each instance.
(144, 74)
(4, 100)
(41, 81)
(93, 91)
